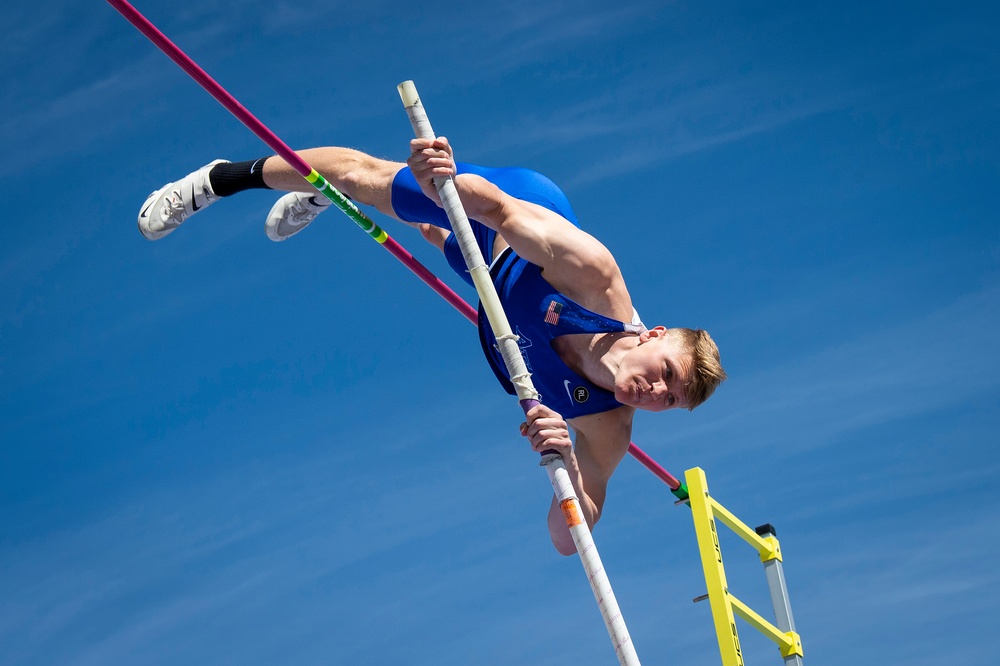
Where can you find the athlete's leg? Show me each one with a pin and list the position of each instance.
(411, 205)
(436, 236)
(365, 179)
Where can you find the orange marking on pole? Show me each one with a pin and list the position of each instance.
(571, 512)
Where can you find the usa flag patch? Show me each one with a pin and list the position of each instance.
(552, 315)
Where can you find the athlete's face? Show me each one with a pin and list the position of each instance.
(653, 375)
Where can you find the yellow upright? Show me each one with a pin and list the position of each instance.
(725, 605)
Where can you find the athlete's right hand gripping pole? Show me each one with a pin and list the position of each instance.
(528, 397)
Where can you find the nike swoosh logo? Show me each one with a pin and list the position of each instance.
(194, 202)
(568, 391)
(143, 212)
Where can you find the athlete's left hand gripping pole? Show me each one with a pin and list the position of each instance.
(507, 343)
(291, 157)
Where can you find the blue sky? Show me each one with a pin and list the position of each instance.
(217, 449)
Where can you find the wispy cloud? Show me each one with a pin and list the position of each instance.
(530, 26)
(872, 377)
(177, 561)
(691, 108)
(56, 107)
(900, 569)
(46, 131)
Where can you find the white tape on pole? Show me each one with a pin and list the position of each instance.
(452, 204)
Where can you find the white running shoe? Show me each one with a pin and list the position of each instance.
(292, 213)
(168, 207)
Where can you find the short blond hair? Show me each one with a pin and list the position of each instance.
(706, 367)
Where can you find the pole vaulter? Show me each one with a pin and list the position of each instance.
(624, 648)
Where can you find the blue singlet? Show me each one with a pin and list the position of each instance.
(537, 312)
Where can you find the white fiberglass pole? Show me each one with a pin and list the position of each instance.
(528, 397)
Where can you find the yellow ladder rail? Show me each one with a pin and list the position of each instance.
(726, 606)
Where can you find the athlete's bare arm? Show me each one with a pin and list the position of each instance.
(365, 179)
(601, 442)
(572, 260)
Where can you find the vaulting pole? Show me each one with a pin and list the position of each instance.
(521, 379)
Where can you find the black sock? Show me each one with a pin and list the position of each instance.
(231, 177)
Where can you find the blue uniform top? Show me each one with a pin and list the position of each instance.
(538, 313)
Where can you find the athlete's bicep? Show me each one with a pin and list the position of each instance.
(567, 255)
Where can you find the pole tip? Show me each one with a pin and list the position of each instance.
(408, 93)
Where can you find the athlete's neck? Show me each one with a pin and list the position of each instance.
(596, 357)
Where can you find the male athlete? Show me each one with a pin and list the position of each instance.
(590, 357)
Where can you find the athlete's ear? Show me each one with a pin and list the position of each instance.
(655, 332)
